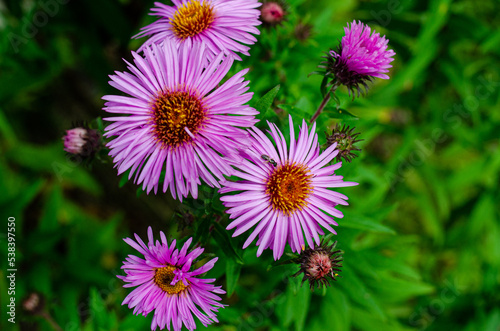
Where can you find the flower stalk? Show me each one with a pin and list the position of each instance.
(326, 99)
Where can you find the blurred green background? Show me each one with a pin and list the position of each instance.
(421, 235)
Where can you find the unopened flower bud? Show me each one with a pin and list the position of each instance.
(34, 303)
(303, 31)
(319, 265)
(272, 13)
(345, 137)
(82, 141)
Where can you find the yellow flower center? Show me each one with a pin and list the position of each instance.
(288, 187)
(172, 113)
(192, 18)
(163, 278)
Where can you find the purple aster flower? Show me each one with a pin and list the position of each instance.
(360, 56)
(166, 284)
(179, 120)
(284, 192)
(221, 24)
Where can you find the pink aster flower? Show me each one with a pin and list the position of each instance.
(360, 56)
(179, 120)
(284, 192)
(165, 283)
(221, 24)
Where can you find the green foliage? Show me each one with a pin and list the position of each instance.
(421, 234)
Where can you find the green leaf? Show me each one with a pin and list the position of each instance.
(6, 129)
(340, 114)
(430, 219)
(301, 307)
(492, 322)
(135, 322)
(392, 264)
(216, 202)
(336, 308)
(50, 219)
(124, 179)
(233, 270)
(98, 310)
(358, 292)
(364, 223)
(321, 73)
(202, 232)
(69, 316)
(294, 110)
(288, 258)
(99, 124)
(264, 104)
(51, 159)
(323, 86)
(224, 241)
(364, 320)
(295, 307)
(396, 289)
(15, 205)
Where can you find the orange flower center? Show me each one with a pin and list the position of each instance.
(173, 112)
(192, 18)
(288, 187)
(163, 278)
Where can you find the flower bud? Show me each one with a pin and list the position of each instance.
(82, 141)
(272, 13)
(320, 264)
(34, 303)
(345, 137)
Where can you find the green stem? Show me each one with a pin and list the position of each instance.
(51, 321)
(325, 101)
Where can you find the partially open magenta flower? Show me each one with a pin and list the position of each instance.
(360, 56)
(166, 281)
(221, 24)
(180, 121)
(285, 191)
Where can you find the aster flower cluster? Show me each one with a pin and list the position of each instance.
(177, 121)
